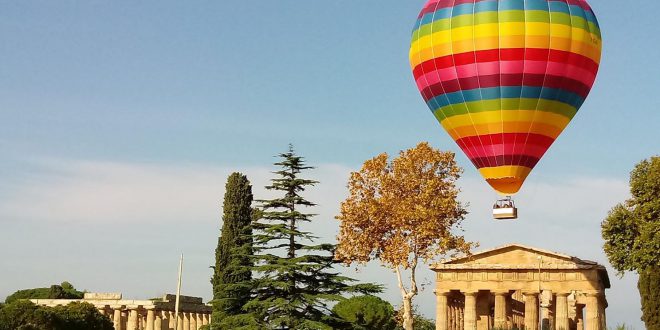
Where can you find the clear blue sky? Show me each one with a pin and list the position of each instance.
(98, 90)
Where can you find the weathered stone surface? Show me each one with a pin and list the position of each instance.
(102, 296)
(505, 286)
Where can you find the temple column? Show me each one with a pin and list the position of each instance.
(205, 319)
(561, 311)
(593, 312)
(116, 318)
(452, 317)
(132, 320)
(531, 310)
(193, 321)
(151, 320)
(441, 312)
(500, 309)
(158, 320)
(171, 320)
(470, 312)
(186, 321)
(179, 321)
(200, 320)
(461, 318)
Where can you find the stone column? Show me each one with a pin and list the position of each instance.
(179, 322)
(593, 312)
(451, 319)
(461, 318)
(171, 320)
(132, 320)
(205, 319)
(561, 316)
(200, 320)
(116, 318)
(470, 313)
(186, 321)
(500, 309)
(441, 311)
(158, 321)
(193, 321)
(531, 310)
(151, 320)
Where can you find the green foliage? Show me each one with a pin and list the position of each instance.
(632, 235)
(365, 313)
(81, 316)
(420, 323)
(649, 290)
(232, 270)
(296, 282)
(632, 230)
(62, 291)
(622, 327)
(23, 314)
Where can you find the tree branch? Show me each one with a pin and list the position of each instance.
(413, 280)
(401, 287)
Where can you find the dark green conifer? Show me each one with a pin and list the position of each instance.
(296, 283)
(232, 270)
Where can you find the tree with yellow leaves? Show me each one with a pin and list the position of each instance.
(403, 212)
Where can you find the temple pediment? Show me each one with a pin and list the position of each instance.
(517, 256)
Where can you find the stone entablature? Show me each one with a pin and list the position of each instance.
(506, 287)
(158, 314)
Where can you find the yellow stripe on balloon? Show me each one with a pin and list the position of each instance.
(505, 29)
(580, 42)
(585, 48)
(547, 129)
(487, 117)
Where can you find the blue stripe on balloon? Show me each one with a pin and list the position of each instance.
(505, 92)
(536, 5)
(512, 5)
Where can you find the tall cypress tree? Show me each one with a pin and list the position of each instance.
(296, 282)
(232, 270)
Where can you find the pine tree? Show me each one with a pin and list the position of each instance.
(232, 270)
(296, 283)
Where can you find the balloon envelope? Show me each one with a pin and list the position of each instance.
(505, 77)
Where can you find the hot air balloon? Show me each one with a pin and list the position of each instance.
(504, 78)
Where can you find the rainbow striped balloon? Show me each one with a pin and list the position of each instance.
(505, 77)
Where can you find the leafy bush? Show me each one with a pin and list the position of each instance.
(365, 312)
(24, 315)
(62, 291)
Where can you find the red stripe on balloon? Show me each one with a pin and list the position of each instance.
(505, 138)
(507, 54)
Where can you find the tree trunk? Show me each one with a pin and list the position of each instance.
(407, 295)
(408, 320)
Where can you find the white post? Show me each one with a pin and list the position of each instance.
(178, 293)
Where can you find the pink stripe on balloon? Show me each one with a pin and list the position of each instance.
(497, 150)
(511, 67)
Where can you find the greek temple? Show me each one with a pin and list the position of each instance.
(520, 287)
(154, 314)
